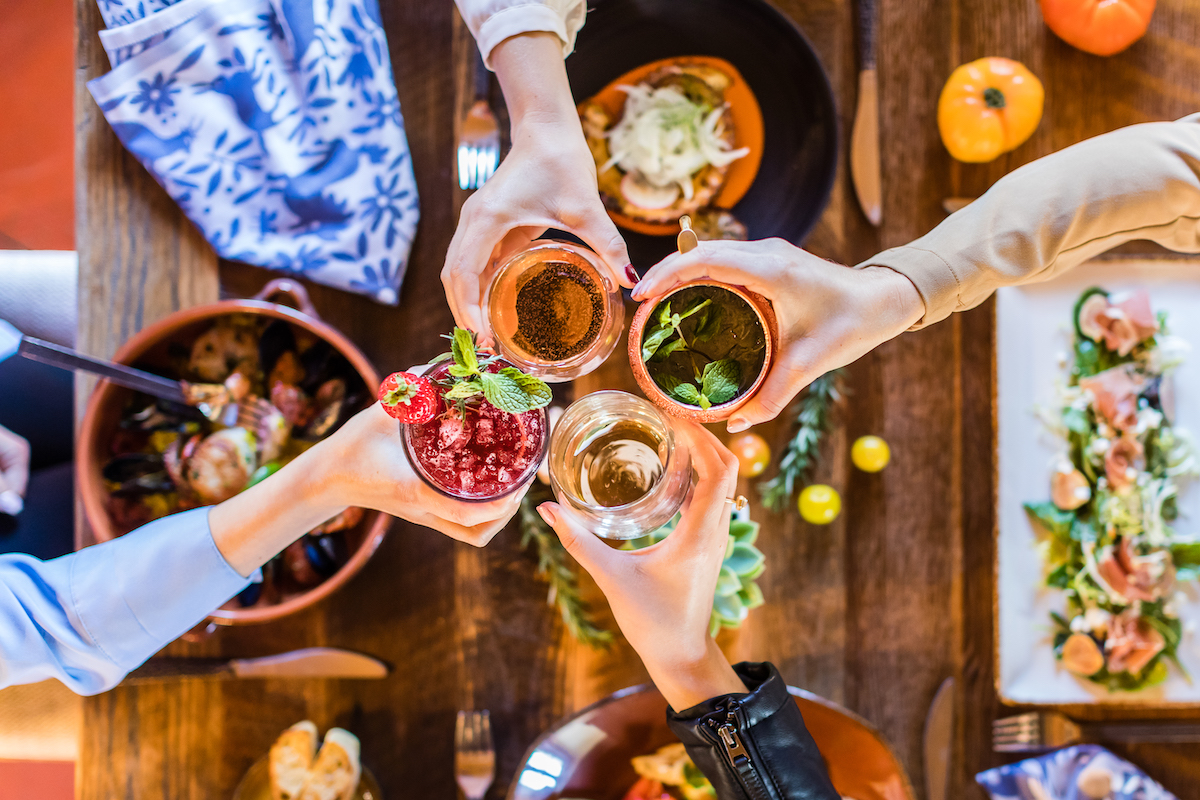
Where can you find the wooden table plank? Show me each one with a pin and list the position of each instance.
(872, 611)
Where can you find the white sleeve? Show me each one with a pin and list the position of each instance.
(493, 21)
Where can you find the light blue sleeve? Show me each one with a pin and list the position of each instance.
(10, 339)
(90, 617)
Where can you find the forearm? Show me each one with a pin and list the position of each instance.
(252, 527)
(534, 80)
(1140, 182)
(685, 685)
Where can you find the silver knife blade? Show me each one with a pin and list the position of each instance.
(311, 662)
(939, 736)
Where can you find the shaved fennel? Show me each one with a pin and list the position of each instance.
(666, 138)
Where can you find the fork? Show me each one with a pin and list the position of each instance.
(474, 755)
(479, 140)
(1046, 730)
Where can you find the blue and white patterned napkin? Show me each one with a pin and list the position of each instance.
(1056, 776)
(275, 126)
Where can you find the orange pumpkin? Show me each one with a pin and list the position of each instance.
(1100, 27)
(989, 107)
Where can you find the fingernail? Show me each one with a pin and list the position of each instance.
(11, 503)
(737, 425)
(631, 273)
(547, 512)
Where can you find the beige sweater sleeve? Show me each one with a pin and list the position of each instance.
(1140, 182)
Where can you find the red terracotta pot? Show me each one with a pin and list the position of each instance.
(770, 325)
(108, 401)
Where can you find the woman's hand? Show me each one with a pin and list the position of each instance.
(362, 464)
(829, 314)
(547, 180)
(662, 596)
(14, 470)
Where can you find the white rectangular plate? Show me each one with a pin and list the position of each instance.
(1033, 335)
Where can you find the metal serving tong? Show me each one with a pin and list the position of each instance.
(211, 399)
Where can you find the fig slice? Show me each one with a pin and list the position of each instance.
(1081, 655)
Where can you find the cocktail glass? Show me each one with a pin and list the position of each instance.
(642, 450)
(590, 332)
(481, 454)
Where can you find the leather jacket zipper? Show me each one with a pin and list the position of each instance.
(730, 743)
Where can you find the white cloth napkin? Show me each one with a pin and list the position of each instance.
(276, 127)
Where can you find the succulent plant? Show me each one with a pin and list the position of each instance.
(737, 591)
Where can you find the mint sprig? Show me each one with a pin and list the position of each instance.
(509, 390)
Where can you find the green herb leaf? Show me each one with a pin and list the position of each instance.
(694, 307)
(708, 325)
(668, 383)
(687, 393)
(463, 390)
(459, 371)
(705, 403)
(441, 357)
(534, 387)
(1186, 554)
(463, 347)
(721, 380)
(654, 339)
(670, 347)
(664, 314)
(1052, 518)
(505, 393)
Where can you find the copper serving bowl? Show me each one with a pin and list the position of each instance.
(589, 753)
(108, 402)
(766, 318)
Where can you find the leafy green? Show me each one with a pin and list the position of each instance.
(813, 420)
(721, 380)
(1053, 519)
(463, 346)
(654, 339)
(688, 394)
(509, 390)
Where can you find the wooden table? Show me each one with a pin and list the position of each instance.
(873, 611)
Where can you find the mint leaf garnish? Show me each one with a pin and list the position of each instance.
(708, 325)
(688, 394)
(535, 388)
(654, 339)
(694, 308)
(664, 314)
(668, 348)
(463, 347)
(721, 380)
(668, 383)
(459, 371)
(464, 390)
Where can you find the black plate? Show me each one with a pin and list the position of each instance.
(799, 119)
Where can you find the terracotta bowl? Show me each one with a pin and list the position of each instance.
(591, 751)
(107, 402)
(766, 317)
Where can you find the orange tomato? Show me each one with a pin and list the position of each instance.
(753, 454)
(1100, 27)
(989, 107)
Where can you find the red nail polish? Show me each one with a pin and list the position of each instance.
(631, 273)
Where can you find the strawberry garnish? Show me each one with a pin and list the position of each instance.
(409, 398)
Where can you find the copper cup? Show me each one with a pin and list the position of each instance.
(766, 318)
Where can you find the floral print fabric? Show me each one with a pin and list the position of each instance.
(275, 126)
(1057, 776)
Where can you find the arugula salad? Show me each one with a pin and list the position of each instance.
(1110, 541)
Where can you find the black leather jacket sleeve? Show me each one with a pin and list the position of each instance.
(754, 746)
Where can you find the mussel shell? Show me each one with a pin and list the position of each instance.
(161, 415)
(325, 553)
(276, 339)
(331, 407)
(137, 473)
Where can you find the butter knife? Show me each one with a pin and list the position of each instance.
(310, 662)
(939, 737)
(864, 137)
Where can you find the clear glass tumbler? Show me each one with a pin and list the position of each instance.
(616, 465)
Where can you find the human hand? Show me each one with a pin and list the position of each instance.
(547, 180)
(368, 467)
(662, 595)
(829, 315)
(14, 471)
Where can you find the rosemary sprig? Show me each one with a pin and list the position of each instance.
(813, 419)
(557, 567)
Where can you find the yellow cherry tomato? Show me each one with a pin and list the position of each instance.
(989, 107)
(753, 454)
(870, 453)
(820, 504)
